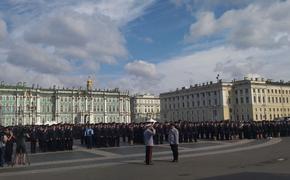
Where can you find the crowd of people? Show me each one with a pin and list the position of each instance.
(109, 135)
(61, 137)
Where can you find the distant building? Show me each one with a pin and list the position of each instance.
(144, 107)
(29, 105)
(249, 99)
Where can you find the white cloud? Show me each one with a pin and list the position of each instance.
(142, 69)
(11, 74)
(229, 62)
(205, 26)
(37, 59)
(258, 25)
(140, 77)
(68, 39)
(119, 11)
(78, 36)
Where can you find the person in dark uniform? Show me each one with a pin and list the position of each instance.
(117, 133)
(45, 139)
(185, 133)
(20, 136)
(162, 133)
(33, 140)
(110, 136)
(123, 130)
(207, 130)
(227, 131)
(83, 140)
(240, 130)
(39, 138)
(130, 134)
(62, 138)
(97, 134)
(214, 131)
(253, 130)
(9, 147)
(195, 132)
(95, 129)
(71, 139)
(66, 137)
(201, 130)
(52, 139)
(158, 134)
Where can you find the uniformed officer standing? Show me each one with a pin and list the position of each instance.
(173, 139)
(33, 140)
(89, 136)
(148, 139)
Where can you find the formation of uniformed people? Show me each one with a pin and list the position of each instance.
(109, 135)
(61, 136)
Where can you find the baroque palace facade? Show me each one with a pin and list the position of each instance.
(144, 107)
(25, 105)
(243, 100)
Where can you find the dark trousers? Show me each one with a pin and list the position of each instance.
(33, 146)
(148, 157)
(174, 149)
(89, 142)
(2, 150)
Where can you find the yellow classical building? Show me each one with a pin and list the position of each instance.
(249, 99)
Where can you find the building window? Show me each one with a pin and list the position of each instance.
(263, 99)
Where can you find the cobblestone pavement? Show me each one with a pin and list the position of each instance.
(204, 159)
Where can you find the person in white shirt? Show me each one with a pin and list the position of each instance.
(148, 139)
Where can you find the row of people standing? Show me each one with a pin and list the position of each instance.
(51, 138)
(101, 135)
(60, 137)
(109, 135)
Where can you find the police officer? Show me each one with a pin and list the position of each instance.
(173, 139)
(33, 140)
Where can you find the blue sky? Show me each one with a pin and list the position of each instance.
(142, 45)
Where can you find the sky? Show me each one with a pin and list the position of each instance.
(144, 46)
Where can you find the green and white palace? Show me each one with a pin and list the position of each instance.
(29, 105)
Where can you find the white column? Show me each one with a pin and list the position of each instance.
(105, 109)
(56, 108)
(38, 109)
